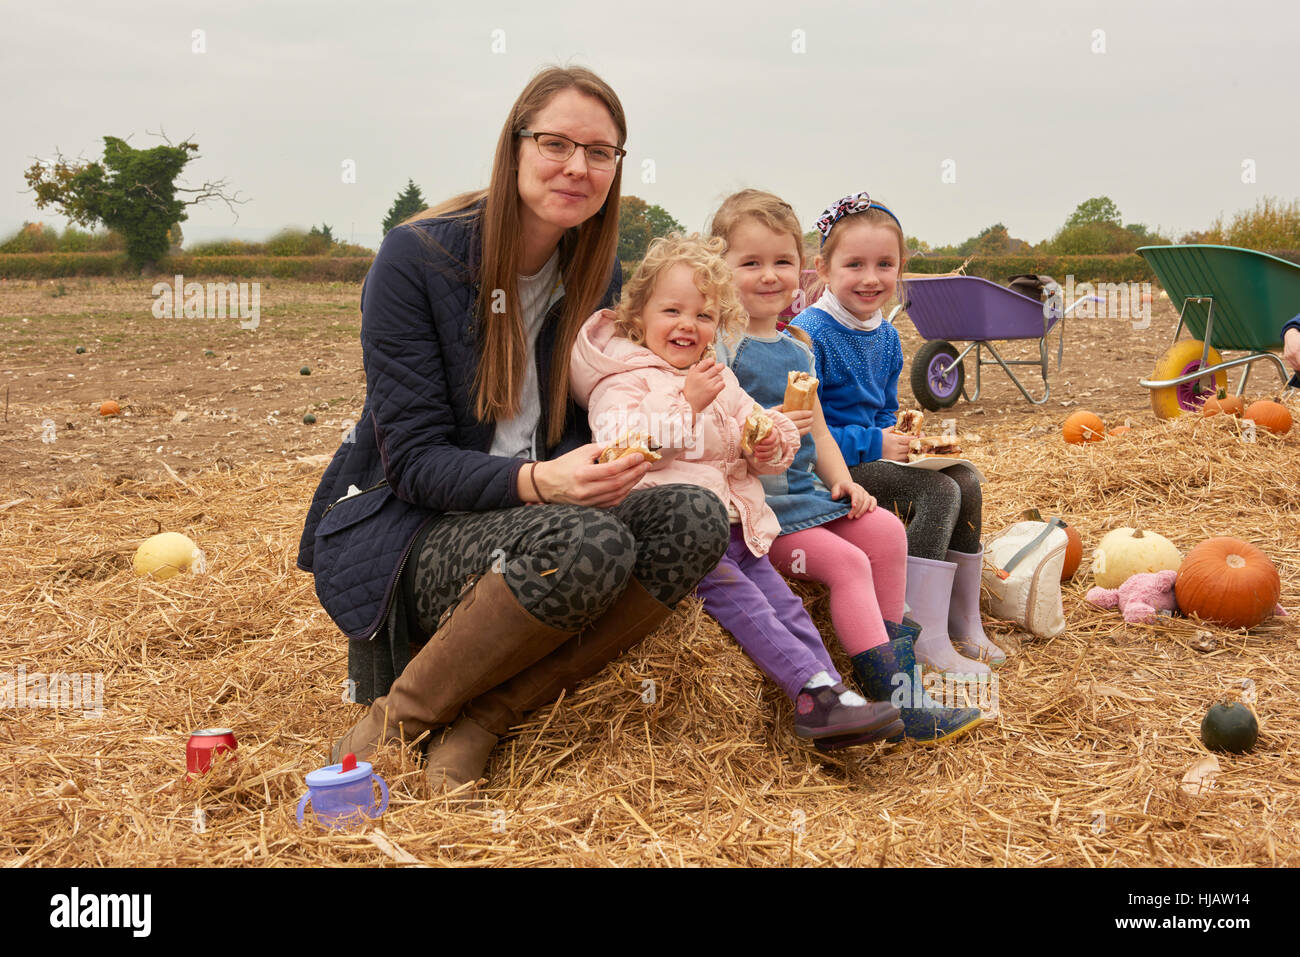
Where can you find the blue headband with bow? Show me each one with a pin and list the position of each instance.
(853, 203)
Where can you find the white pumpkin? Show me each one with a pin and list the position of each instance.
(165, 555)
(1125, 552)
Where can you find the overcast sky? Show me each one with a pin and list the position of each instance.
(1028, 107)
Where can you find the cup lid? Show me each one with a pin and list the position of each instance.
(333, 775)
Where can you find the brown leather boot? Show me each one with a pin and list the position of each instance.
(462, 755)
(488, 638)
(634, 615)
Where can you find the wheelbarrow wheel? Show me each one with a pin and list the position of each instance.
(935, 382)
(1184, 357)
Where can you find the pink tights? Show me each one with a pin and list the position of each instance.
(863, 561)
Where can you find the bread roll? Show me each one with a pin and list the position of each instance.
(757, 426)
(800, 392)
(628, 443)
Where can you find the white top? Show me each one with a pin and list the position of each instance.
(517, 437)
(829, 303)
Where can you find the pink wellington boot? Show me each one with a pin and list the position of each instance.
(964, 625)
(929, 596)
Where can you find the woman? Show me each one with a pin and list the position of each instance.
(421, 526)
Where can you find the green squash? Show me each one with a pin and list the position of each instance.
(1229, 727)
(309, 419)
(304, 371)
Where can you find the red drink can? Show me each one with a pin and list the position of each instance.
(204, 745)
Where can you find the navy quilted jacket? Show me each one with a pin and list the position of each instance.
(418, 449)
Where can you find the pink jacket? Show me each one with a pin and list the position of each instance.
(626, 386)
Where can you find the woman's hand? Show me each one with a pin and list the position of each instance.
(576, 479)
(860, 500)
(802, 419)
(894, 445)
(703, 384)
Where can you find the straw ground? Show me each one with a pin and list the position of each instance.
(679, 753)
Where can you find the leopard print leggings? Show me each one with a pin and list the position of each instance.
(567, 563)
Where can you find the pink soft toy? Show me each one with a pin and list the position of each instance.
(1140, 597)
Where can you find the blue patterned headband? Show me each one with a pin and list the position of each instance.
(854, 203)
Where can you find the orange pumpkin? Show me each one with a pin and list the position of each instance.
(1270, 414)
(1119, 430)
(1073, 553)
(1228, 581)
(1083, 427)
(1227, 404)
(109, 408)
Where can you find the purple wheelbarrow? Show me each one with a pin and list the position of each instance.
(979, 311)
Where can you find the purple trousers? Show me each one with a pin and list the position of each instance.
(750, 599)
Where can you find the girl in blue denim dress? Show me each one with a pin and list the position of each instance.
(831, 530)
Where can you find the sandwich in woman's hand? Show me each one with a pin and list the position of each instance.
(909, 422)
(800, 392)
(628, 443)
(757, 427)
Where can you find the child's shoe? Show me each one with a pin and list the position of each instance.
(891, 730)
(965, 627)
(929, 596)
(819, 712)
(888, 726)
(924, 719)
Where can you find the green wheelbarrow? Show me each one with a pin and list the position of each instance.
(1229, 299)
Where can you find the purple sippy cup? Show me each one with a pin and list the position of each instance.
(343, 795)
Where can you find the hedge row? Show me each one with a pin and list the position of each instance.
(319, 268)
(1128, 267)
(59, 265)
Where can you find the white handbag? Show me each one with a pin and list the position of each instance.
(1022, 569)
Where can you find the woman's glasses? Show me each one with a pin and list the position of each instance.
(553, 146)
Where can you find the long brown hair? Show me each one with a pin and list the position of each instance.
(587, 256)
(768, 210)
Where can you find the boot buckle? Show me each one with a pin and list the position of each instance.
(455, 603)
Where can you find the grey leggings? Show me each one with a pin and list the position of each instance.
(567, 563)
(942, 510)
